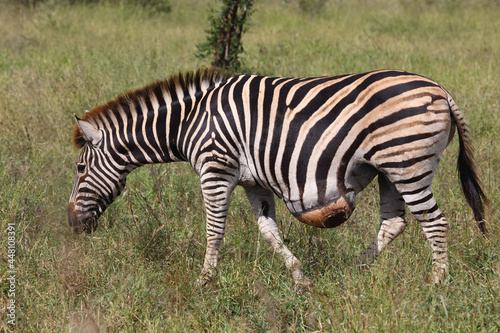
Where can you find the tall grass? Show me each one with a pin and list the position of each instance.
(137, 272)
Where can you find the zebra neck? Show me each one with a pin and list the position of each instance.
(157, 132)
(160, 122)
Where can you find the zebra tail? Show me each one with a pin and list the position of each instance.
(471, 184)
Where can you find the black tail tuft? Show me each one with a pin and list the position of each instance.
(471, 184)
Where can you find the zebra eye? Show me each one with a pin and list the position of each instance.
(80, 167)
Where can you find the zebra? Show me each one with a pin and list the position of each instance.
(315, 143)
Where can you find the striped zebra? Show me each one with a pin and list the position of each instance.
(313, 142)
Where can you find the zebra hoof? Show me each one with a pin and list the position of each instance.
(202, 282)
(206, 279)
(440, 275)
(303, 285)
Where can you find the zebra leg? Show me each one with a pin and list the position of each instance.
(216, 188)
(392, 219)
(435, 227)
(263, 205)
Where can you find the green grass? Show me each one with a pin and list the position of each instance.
(137, 272)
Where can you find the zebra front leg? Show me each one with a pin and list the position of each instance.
(263, 205)
(216, 189)
(392, 219)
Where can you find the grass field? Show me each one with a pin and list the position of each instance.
(137, 272)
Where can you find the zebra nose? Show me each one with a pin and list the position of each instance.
(74, 221)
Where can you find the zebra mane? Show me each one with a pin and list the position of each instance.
(174, 86)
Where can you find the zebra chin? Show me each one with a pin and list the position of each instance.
(79, 222)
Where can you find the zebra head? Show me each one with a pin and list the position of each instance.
(99, 178)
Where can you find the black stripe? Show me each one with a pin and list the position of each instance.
(161, 130)
(414, 191)
(213, 227)
(214, 179)
(406, 163)
(420, 201)
(398, 142)
(440, 216)
(254, 111)
(413, 180)
(217, 171)
(173, 130)
(428, 211)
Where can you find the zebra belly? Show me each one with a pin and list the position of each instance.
(329, 216)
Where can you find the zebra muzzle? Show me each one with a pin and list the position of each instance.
(81, 222)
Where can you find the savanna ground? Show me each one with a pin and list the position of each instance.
(137, 272)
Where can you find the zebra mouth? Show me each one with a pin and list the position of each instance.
(90, 224)
(80, 223)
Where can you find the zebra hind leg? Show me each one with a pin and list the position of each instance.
(435, 227)
(392, 219)
(263, 205)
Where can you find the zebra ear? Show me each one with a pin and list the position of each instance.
(91, 132)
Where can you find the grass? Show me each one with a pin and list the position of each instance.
(137, 272)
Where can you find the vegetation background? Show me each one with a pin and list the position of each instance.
(137, 272)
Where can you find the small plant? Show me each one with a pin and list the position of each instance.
(223, 41)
